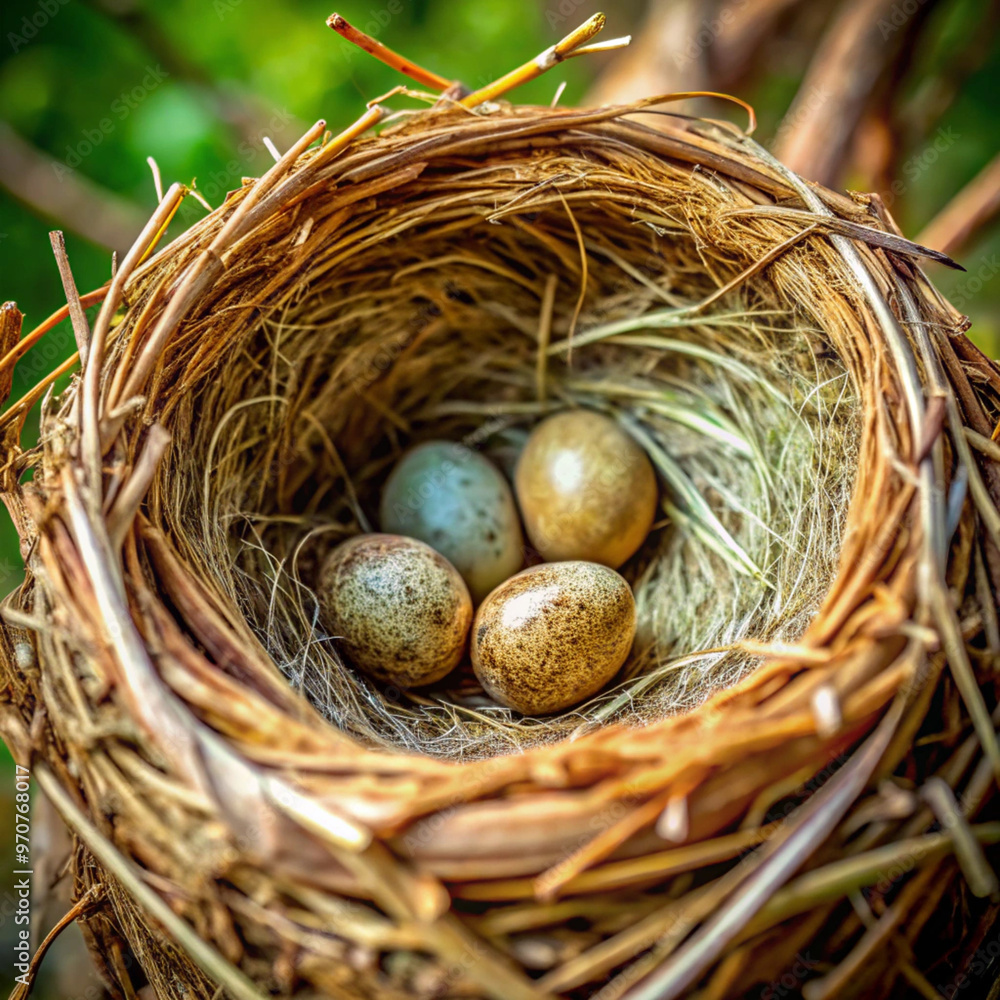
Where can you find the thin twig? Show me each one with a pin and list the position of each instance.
(386, 55)
(11, 322)
(866, 234)
(983, 444)
(83, 905)
(608, 45)
(126, 504)
(207, 958)
(982, 879)
(584, 273)
(157, 178)
(91, 417)
(543, 62)
(81, 328)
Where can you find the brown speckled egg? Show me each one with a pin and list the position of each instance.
(553, 635)
(400, 610)
(586, 489)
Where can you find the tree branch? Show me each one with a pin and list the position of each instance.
(72, 200)
(862, 42)
(244, 114)
(971, 209)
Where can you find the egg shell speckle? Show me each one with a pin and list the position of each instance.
(400, 609)
(586, 489)
(553, 635)
(459, 503)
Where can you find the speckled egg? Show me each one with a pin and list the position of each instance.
(553, 635)
(586, 489)
(399, 609)
(459, 503)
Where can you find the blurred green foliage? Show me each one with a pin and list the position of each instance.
(100, 85)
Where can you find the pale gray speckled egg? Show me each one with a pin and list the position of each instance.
(553, 635)
(459, 503)
(400, 610)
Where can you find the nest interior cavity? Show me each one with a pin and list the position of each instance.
(464, 296)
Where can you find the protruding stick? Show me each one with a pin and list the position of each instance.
(608, 45)
(16, 349)
(11, 319)
(544, 61)
(544, 333)
(386, 55)
(81, 328)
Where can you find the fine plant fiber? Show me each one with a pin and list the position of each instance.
(417, 316)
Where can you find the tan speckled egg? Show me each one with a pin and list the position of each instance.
(586, 489)
(553, 635)
(400, 610)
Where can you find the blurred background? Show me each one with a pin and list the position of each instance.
(898, 98)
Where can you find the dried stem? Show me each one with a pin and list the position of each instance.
(543, 62)
(81, 328)
(384, 54)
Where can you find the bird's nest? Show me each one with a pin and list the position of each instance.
(817, 602)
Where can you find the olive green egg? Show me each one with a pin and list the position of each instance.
(399, 610)
(459, 503)
(553, 635)
(586, 489)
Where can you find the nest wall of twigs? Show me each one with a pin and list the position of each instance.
(822, 429)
